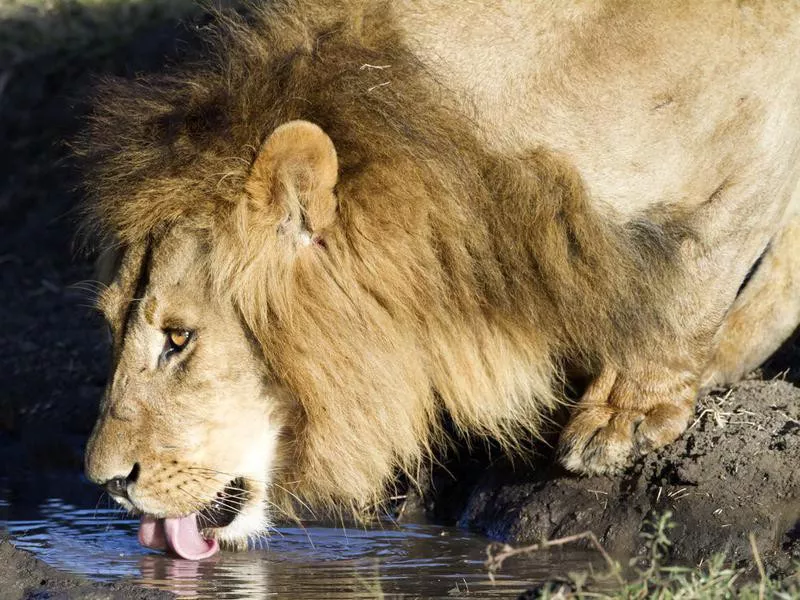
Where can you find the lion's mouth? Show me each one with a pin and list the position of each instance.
(223, 509)
(183, 535)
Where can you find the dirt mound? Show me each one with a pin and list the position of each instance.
(735, 471)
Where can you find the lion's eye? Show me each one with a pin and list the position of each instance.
(178, 338)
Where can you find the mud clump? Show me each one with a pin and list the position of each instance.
(734, 472)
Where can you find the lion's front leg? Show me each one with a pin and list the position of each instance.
(623, 415)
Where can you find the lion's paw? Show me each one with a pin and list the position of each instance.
(602, 440)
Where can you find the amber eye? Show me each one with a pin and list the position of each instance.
(178, 338)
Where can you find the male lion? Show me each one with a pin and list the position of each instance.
(350, 221)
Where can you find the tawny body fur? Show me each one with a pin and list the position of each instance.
(487, 191)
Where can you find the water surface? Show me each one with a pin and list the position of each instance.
(389, 561)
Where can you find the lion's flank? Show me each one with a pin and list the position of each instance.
(448, 279)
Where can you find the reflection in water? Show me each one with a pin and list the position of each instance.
(316, 562)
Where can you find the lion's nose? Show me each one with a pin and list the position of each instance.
(118, 486)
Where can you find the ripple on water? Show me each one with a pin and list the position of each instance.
(414, 560)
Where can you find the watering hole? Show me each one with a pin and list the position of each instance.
(80, 535)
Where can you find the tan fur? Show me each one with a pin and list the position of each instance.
(767, 312)
(392, 223)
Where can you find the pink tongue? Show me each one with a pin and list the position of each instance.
(180, 535)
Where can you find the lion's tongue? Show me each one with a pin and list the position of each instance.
(180, 535)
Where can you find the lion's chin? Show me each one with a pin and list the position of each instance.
(249, 525)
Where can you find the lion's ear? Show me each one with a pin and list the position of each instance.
(293, 177)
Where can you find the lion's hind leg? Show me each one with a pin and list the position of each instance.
(626, 412)
(765, 314)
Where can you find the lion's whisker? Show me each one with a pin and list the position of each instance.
(296, 497)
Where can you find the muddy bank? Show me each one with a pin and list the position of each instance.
(23, 576)
(736, 471)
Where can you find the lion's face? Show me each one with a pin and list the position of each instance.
(190, 421)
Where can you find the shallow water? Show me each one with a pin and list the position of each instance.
(413, 561)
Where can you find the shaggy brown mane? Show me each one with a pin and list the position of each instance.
(448, 267)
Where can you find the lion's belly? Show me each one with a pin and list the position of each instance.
(667, 103)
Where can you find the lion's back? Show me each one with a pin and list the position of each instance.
(645, 99)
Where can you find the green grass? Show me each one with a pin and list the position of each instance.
(650, 577)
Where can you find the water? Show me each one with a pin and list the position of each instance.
(408, 561)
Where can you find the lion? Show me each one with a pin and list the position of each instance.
(351, 224)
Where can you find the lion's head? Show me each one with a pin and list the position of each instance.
(246, 373)
(190, 421)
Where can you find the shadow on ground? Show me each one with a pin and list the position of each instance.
(785, 364)
(53, 348)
